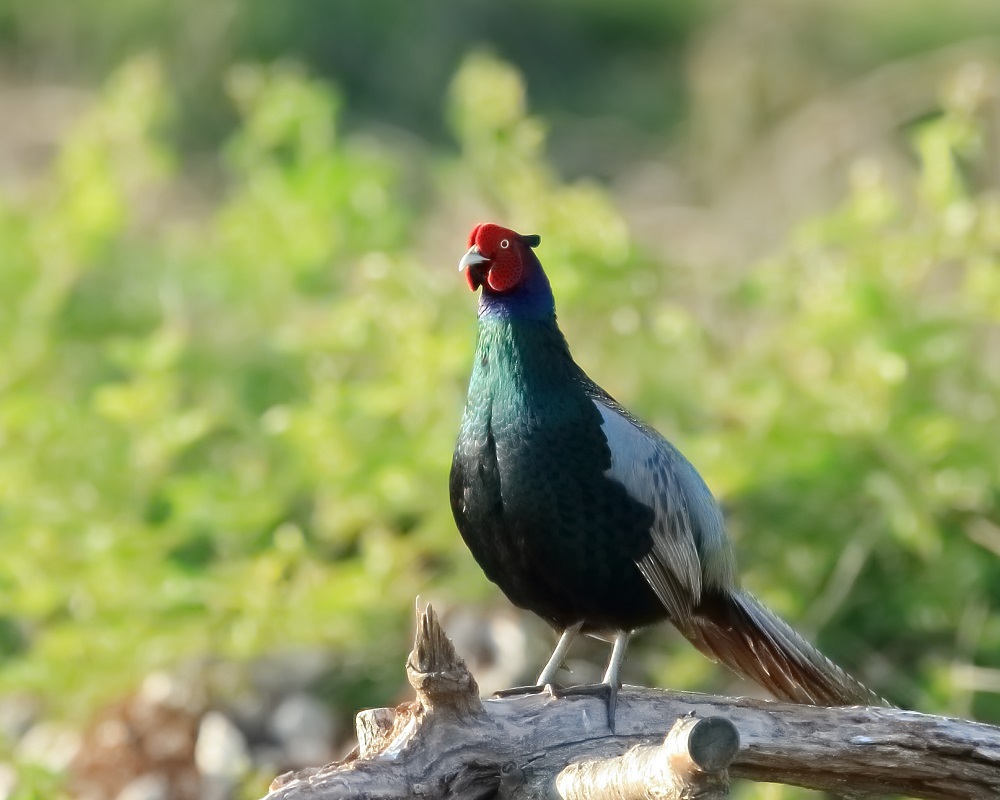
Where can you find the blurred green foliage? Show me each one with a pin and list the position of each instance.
(226, 424)
(211, 427)
(870, 405)
(367, 47)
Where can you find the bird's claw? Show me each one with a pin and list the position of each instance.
(605, 690)
(553, 690)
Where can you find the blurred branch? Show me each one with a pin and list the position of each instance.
(799, 164)
(451, 744)
(845, 574)
(978, 679)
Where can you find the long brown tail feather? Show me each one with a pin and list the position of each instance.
(736, 629)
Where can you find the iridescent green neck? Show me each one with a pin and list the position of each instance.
(520, 357)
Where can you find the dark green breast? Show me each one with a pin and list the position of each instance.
(529, 489)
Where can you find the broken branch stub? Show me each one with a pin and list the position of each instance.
(437, 672)
(690, 763)
(376, 728)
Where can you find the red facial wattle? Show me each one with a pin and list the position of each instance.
(496, 257)
(505, 272)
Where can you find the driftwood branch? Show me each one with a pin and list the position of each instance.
(450, 744)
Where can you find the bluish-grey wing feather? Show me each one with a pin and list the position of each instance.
(692, 570)
(689, 546)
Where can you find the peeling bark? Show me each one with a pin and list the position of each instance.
(689, 765)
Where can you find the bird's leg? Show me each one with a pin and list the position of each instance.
(612, 674)
(554, 664)
(612, 678)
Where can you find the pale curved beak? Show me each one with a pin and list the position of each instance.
(471, 259)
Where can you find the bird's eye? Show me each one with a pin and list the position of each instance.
(504, 244)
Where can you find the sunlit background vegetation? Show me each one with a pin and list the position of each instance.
(235, 346)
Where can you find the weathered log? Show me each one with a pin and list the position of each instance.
(450, 744)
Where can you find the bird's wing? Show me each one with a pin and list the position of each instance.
(689, 545)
